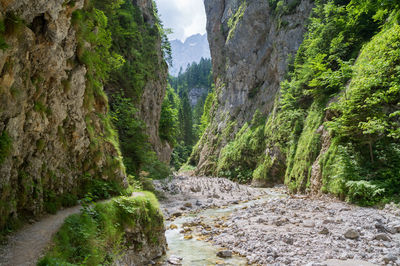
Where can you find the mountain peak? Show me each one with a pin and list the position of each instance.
(191, 50)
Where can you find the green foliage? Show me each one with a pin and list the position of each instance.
(187, 167)
(283, 7)
(156, 168)
(138, 154)
(235, 19)
(41, 108)
(92, 28)
(239, 158)
(185, 117)
(68, 200)
(346, 40)
(169, 124)
(367, 121)
(165, 44)
(3, 44)
(369, 109)
(205, 117)
(196, 75)
(180, 154)
(364, 192)
(13, 24)
(280, 8)
(40, 145)
(190, 128)
(134, 142)
(5, 146)
(303, 153)
(96, 235)
(98, 188)
(129, 35)
(135, 40)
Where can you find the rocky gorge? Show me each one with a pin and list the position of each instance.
(298, 156)
(60, 92)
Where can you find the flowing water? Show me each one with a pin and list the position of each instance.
(199, 252)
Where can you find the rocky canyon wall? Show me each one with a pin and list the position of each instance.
(296, 98)
(57, 141)
(251, 47)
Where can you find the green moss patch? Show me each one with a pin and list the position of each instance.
(5, 146)
(96, 236)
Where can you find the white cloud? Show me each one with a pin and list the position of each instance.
(184, 17)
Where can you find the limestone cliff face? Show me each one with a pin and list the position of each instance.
(56, 137)
(154, 92)
(251, 46)
(44, 113)
(150, 107)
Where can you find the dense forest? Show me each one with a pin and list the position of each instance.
(182, 117)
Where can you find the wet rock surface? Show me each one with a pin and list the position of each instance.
(275, 229)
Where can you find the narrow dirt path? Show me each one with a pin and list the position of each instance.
(27, 245)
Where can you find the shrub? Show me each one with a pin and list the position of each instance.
(96, 235)
(5, 146)
(364, 192)
(3, 44)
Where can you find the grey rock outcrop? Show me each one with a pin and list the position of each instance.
(150, 107)
(59, 141)
(250, 48)
(44, 112)
(195, 95)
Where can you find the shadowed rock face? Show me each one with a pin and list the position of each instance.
(250, 49)
(42, 92)
(154, 92)
(44, 110)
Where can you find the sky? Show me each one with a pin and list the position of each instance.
(184, 17)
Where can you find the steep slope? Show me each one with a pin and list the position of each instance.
(138, 36)
(51, 116)
(250, 47)
(57, 141)
(324, 120)
(191, 50)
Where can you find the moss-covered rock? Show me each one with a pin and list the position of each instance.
(127, 230)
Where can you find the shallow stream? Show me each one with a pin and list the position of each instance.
(197, 252)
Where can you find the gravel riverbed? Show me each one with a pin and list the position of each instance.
(273, 228)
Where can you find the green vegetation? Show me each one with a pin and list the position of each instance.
(205, 117)
(280, 8)
(345, 78)
(135, 40)
(97, 235)
(303, 153)
(12, 25)
(169, 124)
(3, 44)
(367, 124)
(239, 157)
(235, 19)
(190, 123)
(5, 146)
(137, 151)
(283, 7)
(323, 66)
